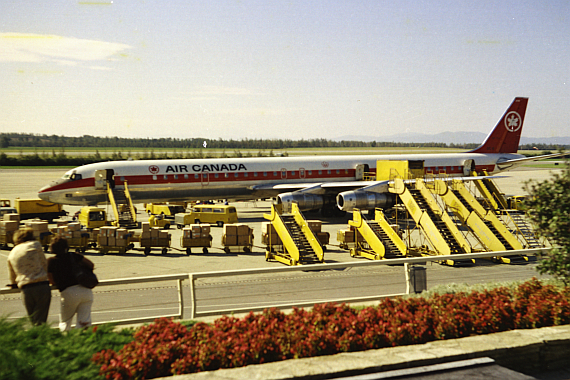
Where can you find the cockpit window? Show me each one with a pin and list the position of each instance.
(75, 177)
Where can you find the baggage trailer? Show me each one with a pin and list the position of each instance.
(237, 237)
(154, 237)
(190, 243)
(195, 236)
(114, 239)
(149, 243)
(6, 237)
(9, 224)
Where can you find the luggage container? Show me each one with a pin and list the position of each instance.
(196, 236)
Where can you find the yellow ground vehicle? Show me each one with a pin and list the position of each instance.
(516, 202)
(38, 208)
(160, 221)
(92, 217)
(166, 209)
(211, 214)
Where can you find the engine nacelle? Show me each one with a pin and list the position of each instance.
(304, 200)
(364, 200)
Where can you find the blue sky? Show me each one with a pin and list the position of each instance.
(272, 69)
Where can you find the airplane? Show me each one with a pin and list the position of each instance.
(329, 183)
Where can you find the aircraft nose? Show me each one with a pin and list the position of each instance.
(43, 194)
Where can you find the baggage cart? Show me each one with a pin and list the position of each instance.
(189, 243)
(149, 243)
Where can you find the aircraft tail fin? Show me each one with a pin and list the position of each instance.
(505, 137)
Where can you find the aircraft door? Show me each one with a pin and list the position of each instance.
(102, 177)
(359, 172)
(301, 173)
(283, 173)
(205, 179)
(468, 167)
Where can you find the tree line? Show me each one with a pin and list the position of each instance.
(88, 141)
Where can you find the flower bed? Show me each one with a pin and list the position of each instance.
(166, 347)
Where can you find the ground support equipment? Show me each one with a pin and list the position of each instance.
(6, 237)
(485, 224)
(299, 244)
(437, 226)
(122, 205)
(80, 244)
(376, 239)
(149, 243)
(189, 243)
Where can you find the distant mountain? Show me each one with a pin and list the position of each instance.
(451, 137)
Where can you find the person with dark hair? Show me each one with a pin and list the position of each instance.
(75, 299)
(27, 267)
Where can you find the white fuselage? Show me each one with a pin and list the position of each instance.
(239, 178)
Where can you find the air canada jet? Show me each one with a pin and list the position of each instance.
(316, 182)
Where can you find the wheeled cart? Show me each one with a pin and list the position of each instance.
(150, 243)
(189, 243)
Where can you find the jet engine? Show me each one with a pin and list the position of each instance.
(305, 201)
(364, 200)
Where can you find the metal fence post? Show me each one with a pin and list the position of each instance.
(180, 299)
(193, 296)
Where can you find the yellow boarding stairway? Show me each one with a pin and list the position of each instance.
(491, 193)
(122, 204)
(299, 244)
(498, 203)
(486, 226)
(380, 239)
(436, 224)
(524, 229)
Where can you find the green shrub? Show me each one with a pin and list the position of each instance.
(42, 352)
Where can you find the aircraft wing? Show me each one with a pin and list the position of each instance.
(506, 164)
(336, 187)
(316, 188)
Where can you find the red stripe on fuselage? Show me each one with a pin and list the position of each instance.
(224, 177)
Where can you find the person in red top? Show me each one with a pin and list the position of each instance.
(27, 267)
(75, 299)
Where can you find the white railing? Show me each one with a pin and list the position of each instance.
(192, 277)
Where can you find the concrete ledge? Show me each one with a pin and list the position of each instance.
(526, 351)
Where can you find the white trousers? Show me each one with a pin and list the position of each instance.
(75, 299)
